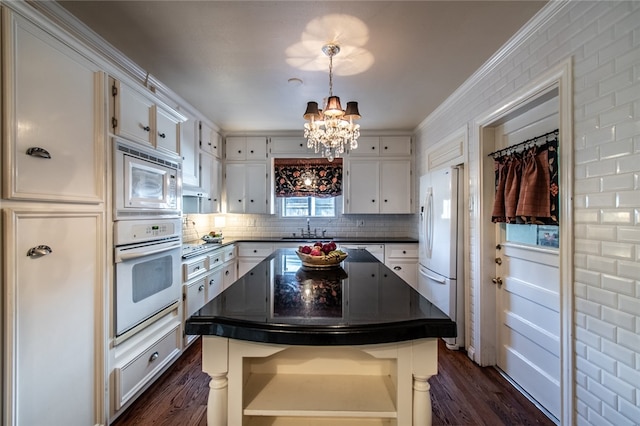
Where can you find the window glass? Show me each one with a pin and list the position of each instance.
(537, 235)
(308, 207)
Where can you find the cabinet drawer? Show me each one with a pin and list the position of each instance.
(255, 250)
(401, 251)
(132, 376)
(216, 258)
(194, 268)
(195, 296)
(229, 253)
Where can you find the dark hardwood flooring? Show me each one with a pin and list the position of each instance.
(462, 394)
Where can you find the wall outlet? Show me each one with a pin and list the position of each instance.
(360, 223)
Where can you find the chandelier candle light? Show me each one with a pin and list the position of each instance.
(331, 129)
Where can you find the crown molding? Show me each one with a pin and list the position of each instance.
(529, 30)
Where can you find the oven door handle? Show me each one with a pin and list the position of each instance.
(123, 257)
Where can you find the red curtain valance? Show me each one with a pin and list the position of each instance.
(308, 177)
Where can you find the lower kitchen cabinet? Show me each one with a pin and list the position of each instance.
(403, 260)
(54, 301)
(250, 254)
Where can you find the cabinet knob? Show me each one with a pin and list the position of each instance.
(201, 288)
(39, 251)
(38, 152)
(226, 272)
(397, 268)
(251, 151)
(385, 201)
(373, 147)
(239, 151)
(162, 135)
(386, 147)
(373, 201)
(251, 201)
(146, 128)
(212, 282)
(154, 356)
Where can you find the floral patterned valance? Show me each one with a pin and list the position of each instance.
(527, 184)
(308, 177)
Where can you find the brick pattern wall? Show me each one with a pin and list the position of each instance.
(603, 40)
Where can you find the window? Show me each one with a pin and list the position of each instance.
(308, 206)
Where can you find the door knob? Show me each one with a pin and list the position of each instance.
(497, 280)
(499, 260)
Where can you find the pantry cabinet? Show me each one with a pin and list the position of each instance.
(54, 298)
(53, 118)
(378, 186)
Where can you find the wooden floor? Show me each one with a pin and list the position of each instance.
(462, 394)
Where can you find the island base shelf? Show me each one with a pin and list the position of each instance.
(311, 421)
(320, 395)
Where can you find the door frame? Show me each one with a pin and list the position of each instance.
(482, 258)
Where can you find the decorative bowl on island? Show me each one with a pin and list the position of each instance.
(320, 255)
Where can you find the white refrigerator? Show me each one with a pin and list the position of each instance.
(440, 277)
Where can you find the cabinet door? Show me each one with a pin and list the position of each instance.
(257, 178)
(399, 146)
(363, 190)
(256, 148)
(55, 311)
(195, 297)
(209, 140)
(135, 114)
(235, 148)
(167, 131)
(210, 182)
(368, 146)
(189, 139)
(229, 273)
(215, 283)
(288, 145)
(234, 185)
(395, 186)
(53, 103)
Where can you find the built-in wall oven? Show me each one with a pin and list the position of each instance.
(147, 271)
(147, 183)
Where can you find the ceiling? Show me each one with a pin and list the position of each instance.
(232, 60)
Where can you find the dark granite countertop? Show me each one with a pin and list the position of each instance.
(352, 240)
(359, 302)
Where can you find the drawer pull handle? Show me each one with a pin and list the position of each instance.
(38, 152)
(154, 356)
(201, 288)
(397, 268)
(39, 251)
(212, 282)
(146, 128)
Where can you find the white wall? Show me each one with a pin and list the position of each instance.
(603, 40)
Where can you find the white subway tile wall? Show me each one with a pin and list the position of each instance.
(603, 40)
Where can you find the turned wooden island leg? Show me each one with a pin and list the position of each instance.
(421, 401)
(215, 354)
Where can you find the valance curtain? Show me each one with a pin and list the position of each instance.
(308, 177)
(526, 182)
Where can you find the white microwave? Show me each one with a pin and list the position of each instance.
(147, 183)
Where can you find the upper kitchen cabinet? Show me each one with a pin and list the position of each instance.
(189, 142)
(378, 186)
(248, 188)
(136, 115)
(54, 118)
(210, 140)
(211, 183)
(241, 148)
(285, 146)
(389, 146)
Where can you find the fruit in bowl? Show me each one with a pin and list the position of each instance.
(320, 254)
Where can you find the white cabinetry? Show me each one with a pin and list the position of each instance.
(388, 146)
(282, 146)
(211, 183)
(250, 254)
(53, 119)
(54, 298)
(210, 140)
(378, 186)
(137, 116)
(189, 143)
(247, 186)
(403, 260)
(243, 148)
(377, 250)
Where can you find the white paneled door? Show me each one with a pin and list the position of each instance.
(529, 321)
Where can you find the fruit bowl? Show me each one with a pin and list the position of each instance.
(212, 239)
(324, 261)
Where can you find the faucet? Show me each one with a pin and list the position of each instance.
(308, 227)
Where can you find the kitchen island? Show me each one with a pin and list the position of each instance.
(290, 345)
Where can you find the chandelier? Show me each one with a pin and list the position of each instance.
(331, 129)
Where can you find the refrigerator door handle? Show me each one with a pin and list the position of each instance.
(439, 280)
(429, 223)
